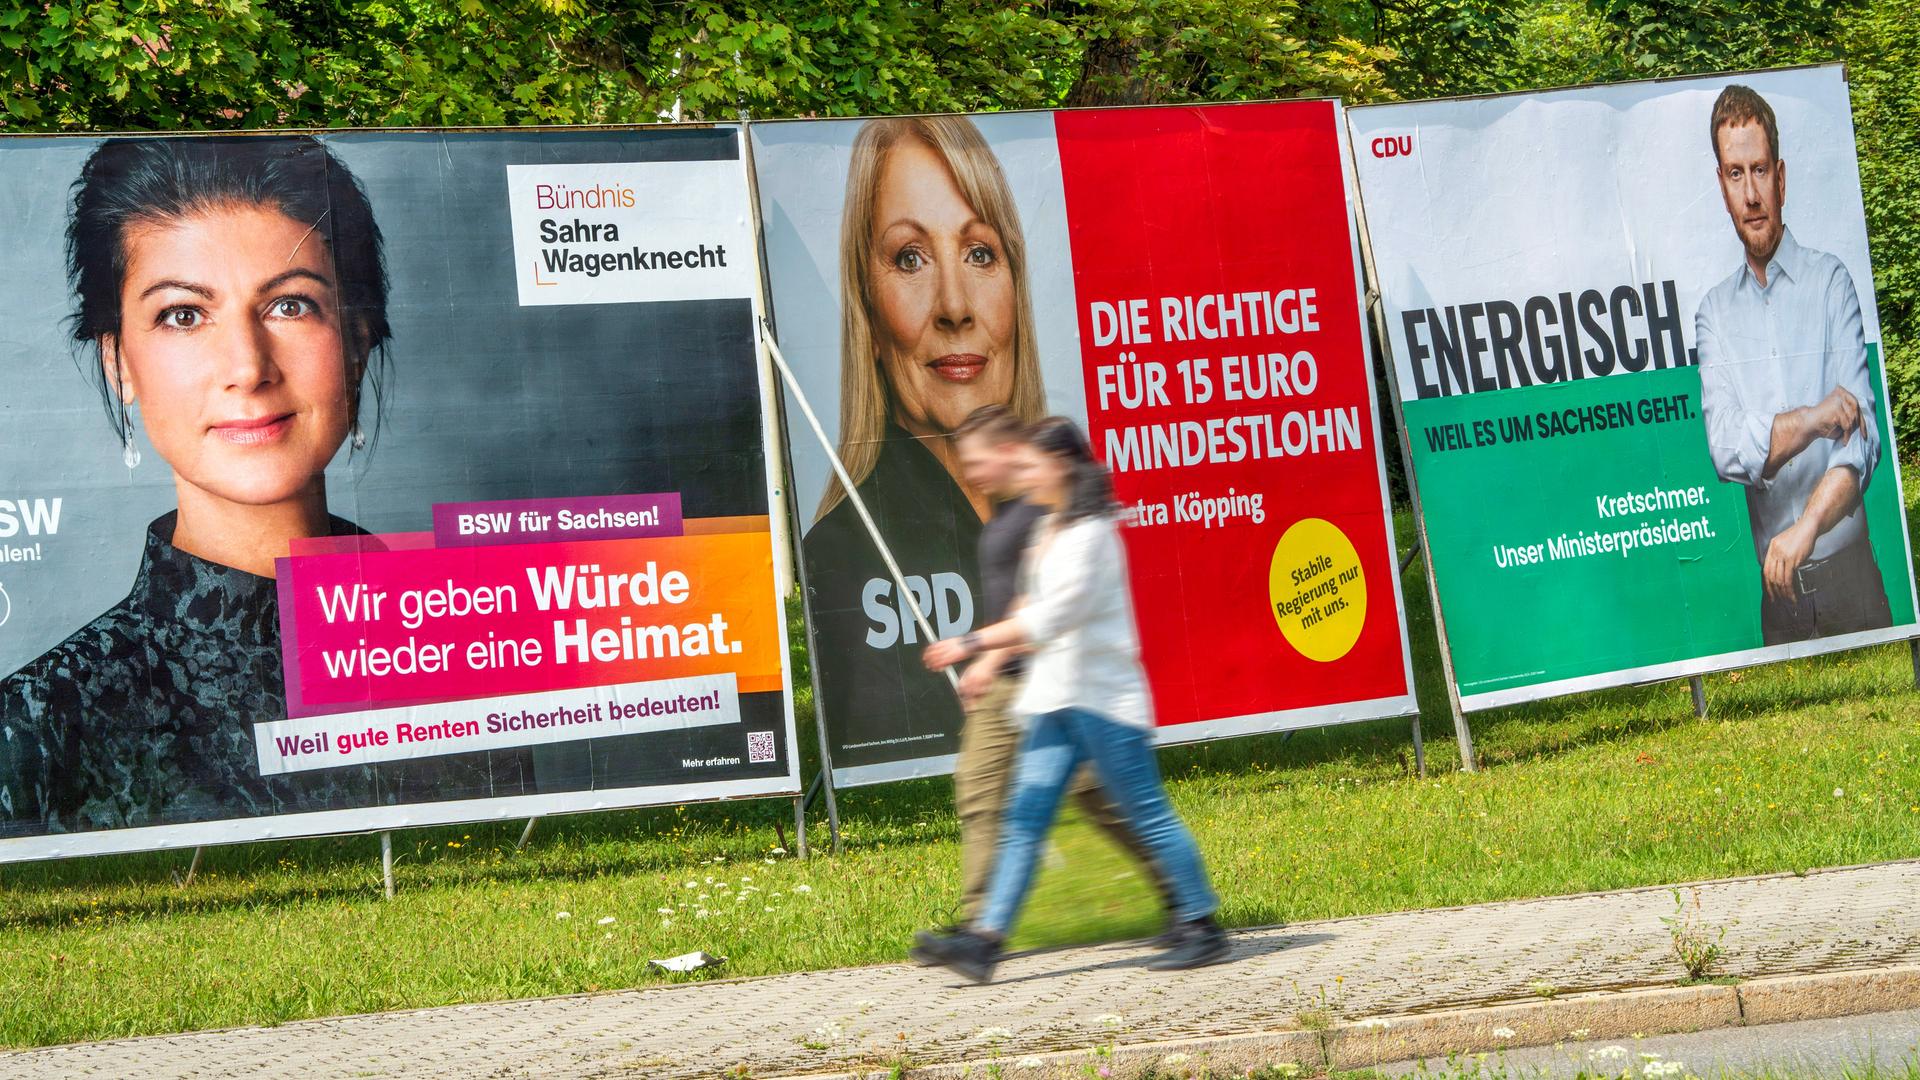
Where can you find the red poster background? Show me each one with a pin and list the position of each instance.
(1176, 202)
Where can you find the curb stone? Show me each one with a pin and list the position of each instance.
(1595, 1017)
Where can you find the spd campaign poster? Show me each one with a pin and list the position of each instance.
(1633, 331)
(1179, 280)
(364, 480)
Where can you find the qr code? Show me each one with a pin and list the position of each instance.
(759, 747)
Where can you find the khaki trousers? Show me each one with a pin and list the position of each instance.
(982, 776)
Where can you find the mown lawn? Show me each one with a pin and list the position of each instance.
(1812, 763)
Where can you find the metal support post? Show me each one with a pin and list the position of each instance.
(386, 862)
(1699, 696)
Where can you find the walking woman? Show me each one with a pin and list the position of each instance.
(1085, 699)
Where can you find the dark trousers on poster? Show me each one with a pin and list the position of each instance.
(1840, 594)
(982, 778)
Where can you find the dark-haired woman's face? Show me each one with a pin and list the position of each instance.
(231, 340)
(1042, 477)
(942, 293)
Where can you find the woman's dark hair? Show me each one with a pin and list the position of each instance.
(1089, 487)
(128, 182)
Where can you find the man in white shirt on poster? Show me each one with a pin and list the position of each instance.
(1788, 403)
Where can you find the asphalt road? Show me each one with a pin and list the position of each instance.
(1812, 1048)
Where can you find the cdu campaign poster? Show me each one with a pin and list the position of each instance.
(1633, 332)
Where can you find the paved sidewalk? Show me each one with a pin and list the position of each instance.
(1379, 965)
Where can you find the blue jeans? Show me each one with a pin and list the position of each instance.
(1055, 747)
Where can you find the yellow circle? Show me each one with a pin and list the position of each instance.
(1318, 589)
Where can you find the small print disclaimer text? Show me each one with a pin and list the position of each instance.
(454, 727)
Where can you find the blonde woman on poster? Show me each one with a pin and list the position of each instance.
(936, 322)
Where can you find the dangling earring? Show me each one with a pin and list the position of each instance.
(359, 437)
(131, 453)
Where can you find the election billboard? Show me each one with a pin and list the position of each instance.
(1183, 282)
(1633, 332)
(363, 480)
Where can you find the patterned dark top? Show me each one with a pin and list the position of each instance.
(145, 715)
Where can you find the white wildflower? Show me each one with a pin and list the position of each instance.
(1663, 1068)
(563, 914)
(1608, 1053)
(1503, 1033)
(766, 909)
(1030, 1062)
(769, 862)
(1175, 1060)
(1839, 792)
(663, 911)
(1579, 1034)
(1649, 1057)
(692, 885)
(993, 1034)
(702, 913)
(803, 888)
(778, 850)
(608, 921)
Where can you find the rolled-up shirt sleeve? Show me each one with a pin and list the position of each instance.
(1847, 366)
(1065, 584)
(1738, 438)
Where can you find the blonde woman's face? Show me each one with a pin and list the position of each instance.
(942, 293)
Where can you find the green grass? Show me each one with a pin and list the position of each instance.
(1812, 763)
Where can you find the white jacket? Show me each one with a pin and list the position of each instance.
(1077, 613)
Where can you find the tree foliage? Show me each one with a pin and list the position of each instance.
(68, 65)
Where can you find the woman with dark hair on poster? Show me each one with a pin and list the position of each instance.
(1085, 699)
(231, 293)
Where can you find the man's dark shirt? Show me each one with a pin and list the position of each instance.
(1003, 544)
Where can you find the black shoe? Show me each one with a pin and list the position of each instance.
(924, 939)
(1198, 943)
(966, 953)
(1168, 937)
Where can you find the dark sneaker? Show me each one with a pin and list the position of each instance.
(1168, 937)
(922, 939)
(965, 953)
(1198, 943)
